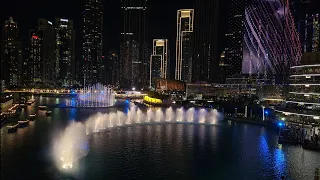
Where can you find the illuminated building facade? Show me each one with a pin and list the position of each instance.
(42, 57)
(205, 51)
(92, 41)
(45, 31)
(311, 41)
(113, 68)
(132, 45)
(234, 37)
(184, 45)
(271, 42)
(302, 102)
(35, 63)
(159, 60)
(306, 15)
(65, 51)
(11, 54)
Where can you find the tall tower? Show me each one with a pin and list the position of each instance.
(42, 53)
(65, 51)
(234, 37)
(159, 60)
(35, 63)
(92, 41)
(184, 45)
(45, 31)
(206, 52)
(132, 46)
(306, 15)
(11, 54)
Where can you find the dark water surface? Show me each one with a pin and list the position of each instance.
(163, 151)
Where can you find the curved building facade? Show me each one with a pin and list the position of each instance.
(271, 42)
(302, 103)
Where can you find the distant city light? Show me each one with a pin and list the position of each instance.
(49, 22)
(64, 20)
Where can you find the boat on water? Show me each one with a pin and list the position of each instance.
(13, 128)
(30, 101)
(48, 113)
(32, 117)
(23, 123)
(42, 107)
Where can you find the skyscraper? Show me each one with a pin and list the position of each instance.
(306, 15)
(11, 56)
(35, 63)
(184, 44)
(65, 51)
(45, 31)
(271, 42)
(206, 51)
(92, 41)
(113, 68)
(234, 37)
(41, 59)
(133, 43)
(159, 60)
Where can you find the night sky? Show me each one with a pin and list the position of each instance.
(161, 17)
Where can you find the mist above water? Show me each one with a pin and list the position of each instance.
(72, 144)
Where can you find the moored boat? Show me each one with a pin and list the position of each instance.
(12, 128)
(42, 107)
(48, 113)
(23, 123)
(32, 117)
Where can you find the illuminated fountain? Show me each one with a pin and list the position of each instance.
(94, 96)
(72, 144)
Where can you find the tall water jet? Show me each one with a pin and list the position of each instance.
(139, 116)
(169, 114)
(179, 115)
(190, 115)
(202, 114)
(159, 115)
(149, 115)
(121, 118)
(213, 116)
(94, 96)
(70, 146)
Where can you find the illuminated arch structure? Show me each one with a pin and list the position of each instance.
(271, 43)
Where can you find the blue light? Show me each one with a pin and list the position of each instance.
(266, 112)
(280, 124)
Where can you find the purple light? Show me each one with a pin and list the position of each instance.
(271, 43)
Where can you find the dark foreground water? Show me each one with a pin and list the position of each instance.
(167, 151)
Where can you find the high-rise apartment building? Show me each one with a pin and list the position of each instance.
(184, 45)
(113, 68)
(42, 57)
(11, 54)
(234, 37)
(45, 31)
(133, 43)
(35, 61)
(206, 51)
(306, 16)
(65, 51)
(92, 41)
(159, 60)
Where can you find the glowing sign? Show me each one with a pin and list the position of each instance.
(152, 100)
(64, 20)
(34, 37)
(64, 25)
